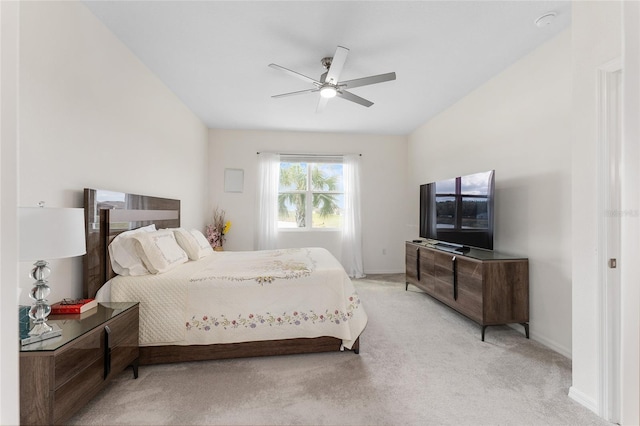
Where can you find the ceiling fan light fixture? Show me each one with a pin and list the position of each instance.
(329, 85)
(328, 92)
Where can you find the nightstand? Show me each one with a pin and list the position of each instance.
(59, 376)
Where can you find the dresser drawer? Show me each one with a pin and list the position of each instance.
(123, 327)
(77, 357)
(419, 267)
(443, 267)
(124, 353)
(411, 263)
(459, 284)
(78, 391)
(427, 271)
(469, 281)
(443, 272)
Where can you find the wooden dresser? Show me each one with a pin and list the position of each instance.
(485, 286)
(59, 376)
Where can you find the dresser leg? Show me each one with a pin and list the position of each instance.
(524, 324)
(134, 365)
(526, 328)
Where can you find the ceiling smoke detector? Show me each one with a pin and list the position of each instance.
(545, 19)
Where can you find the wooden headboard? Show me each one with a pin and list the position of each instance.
(107, 214)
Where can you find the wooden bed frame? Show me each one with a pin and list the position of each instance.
(108, 213)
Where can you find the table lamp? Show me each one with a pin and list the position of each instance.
(47, 233)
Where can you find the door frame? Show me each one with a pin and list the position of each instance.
(609, 92)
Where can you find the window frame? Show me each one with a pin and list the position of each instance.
(310, 160)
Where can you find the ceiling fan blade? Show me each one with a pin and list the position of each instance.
(337, 63)
(381, 78)
(353, 98)
(295, 74)
(322, 103)
(299, 92)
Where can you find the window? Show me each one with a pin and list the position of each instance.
(310, 193)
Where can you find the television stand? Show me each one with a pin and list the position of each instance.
(487, 287)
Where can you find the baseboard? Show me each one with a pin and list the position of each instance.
(551, 345)
(394, 271)
(582, 399)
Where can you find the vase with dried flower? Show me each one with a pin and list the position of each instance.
(217, 230)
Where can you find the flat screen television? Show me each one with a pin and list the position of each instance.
(458, 213)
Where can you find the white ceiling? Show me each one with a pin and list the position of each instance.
(214, 55)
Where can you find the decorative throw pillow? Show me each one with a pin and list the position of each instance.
(159, 250)
(191, 245)
(124, 256)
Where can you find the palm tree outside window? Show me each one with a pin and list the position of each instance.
(311, 193)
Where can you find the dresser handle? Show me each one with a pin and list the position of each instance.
(455, 278)
(107, 351)
(418, 262)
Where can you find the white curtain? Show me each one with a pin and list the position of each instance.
(267, 211)
(351, 228)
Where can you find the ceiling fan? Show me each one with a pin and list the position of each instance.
(330, 85)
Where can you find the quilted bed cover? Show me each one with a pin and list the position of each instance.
(231, 297)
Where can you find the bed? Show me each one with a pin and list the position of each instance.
(225, 304)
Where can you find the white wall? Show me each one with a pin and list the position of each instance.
(630, 333)
(596, 32)
(92, 115)
(518, 123)
(383, 183)
(9, 367)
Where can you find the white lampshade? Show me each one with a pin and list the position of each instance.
(50, 233)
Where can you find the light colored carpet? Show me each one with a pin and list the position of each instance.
(420, 363)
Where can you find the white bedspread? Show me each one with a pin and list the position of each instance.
(231, 297)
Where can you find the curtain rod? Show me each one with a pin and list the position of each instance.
(311, 155)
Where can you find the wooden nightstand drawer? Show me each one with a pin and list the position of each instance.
(76, 357)
(123, 341)
(123, 326)
(122, 355)
(78, 391)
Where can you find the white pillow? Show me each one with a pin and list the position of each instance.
(159, 250)
(124, 256)
(203, 243)
(191, 244)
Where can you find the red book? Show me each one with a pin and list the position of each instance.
(81, 316)
(76, 306)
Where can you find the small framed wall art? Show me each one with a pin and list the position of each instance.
(233, 180)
